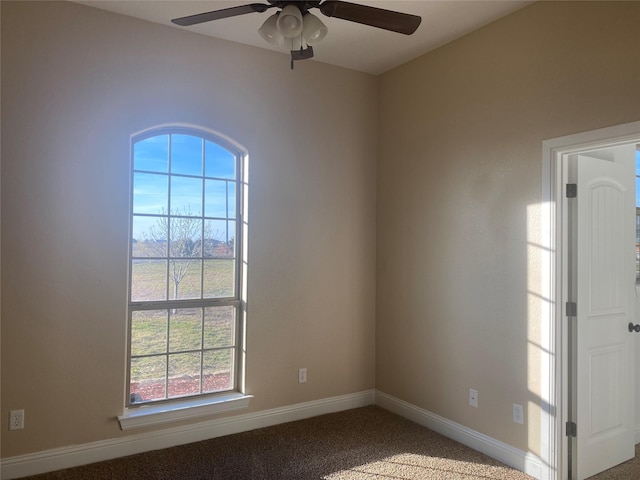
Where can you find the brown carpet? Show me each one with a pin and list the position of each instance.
(362, 444)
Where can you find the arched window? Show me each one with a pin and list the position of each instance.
(185, 265)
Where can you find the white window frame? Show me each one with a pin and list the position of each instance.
(207, 403)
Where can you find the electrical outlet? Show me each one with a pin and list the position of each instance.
(16, 419)
(518, 414)
(302, 375)
(473, 397)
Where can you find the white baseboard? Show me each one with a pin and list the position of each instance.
(514, 457)
(73, 456)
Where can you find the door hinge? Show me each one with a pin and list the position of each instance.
(571, 309)
(572, 190)
(572, 429)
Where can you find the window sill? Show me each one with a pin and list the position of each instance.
(150, 415)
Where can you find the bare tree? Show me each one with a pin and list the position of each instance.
(184, 236)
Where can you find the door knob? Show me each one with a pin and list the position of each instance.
(633, 328)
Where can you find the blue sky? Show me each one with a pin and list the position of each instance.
(189, 157)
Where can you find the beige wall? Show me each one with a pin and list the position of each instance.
(459, 191)
(76, 83)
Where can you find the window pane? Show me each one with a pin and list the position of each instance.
(148, 332)
(186, 237)
(220, 235)
(217, 370)
(186, 196)
(185, 329)
(150, 193)
(231, 195)
(149, 237)
(219, 278)
(186, 155)
(152, 154)
(219, 162)
(219, 327)
(148, 280)
(216, 230)
(215, 198)
(184, 374)
(148, 378)
(185, 277)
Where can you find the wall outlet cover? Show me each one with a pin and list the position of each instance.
(518, 414)
(473, 397)
(16, 419)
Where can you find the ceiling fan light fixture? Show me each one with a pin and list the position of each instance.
(313, 30)
(295, 25)
(269, 31)
(290, 21)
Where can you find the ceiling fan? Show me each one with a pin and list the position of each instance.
(295, 24)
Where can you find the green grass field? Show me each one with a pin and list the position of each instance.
(151, 280)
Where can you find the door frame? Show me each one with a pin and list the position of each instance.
(554, 335)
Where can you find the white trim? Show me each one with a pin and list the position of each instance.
(553, 371)
(516, 458)
(72, 456)
(190, 126)
(149, 415)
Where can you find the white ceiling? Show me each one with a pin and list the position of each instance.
(347, 44)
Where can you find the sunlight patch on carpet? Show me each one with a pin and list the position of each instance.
(410, 466)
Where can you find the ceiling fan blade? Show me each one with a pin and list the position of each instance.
(218, 14)
(372, 16)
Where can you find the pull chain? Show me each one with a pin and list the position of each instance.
(292, 54)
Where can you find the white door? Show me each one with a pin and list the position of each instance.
(604, 212)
